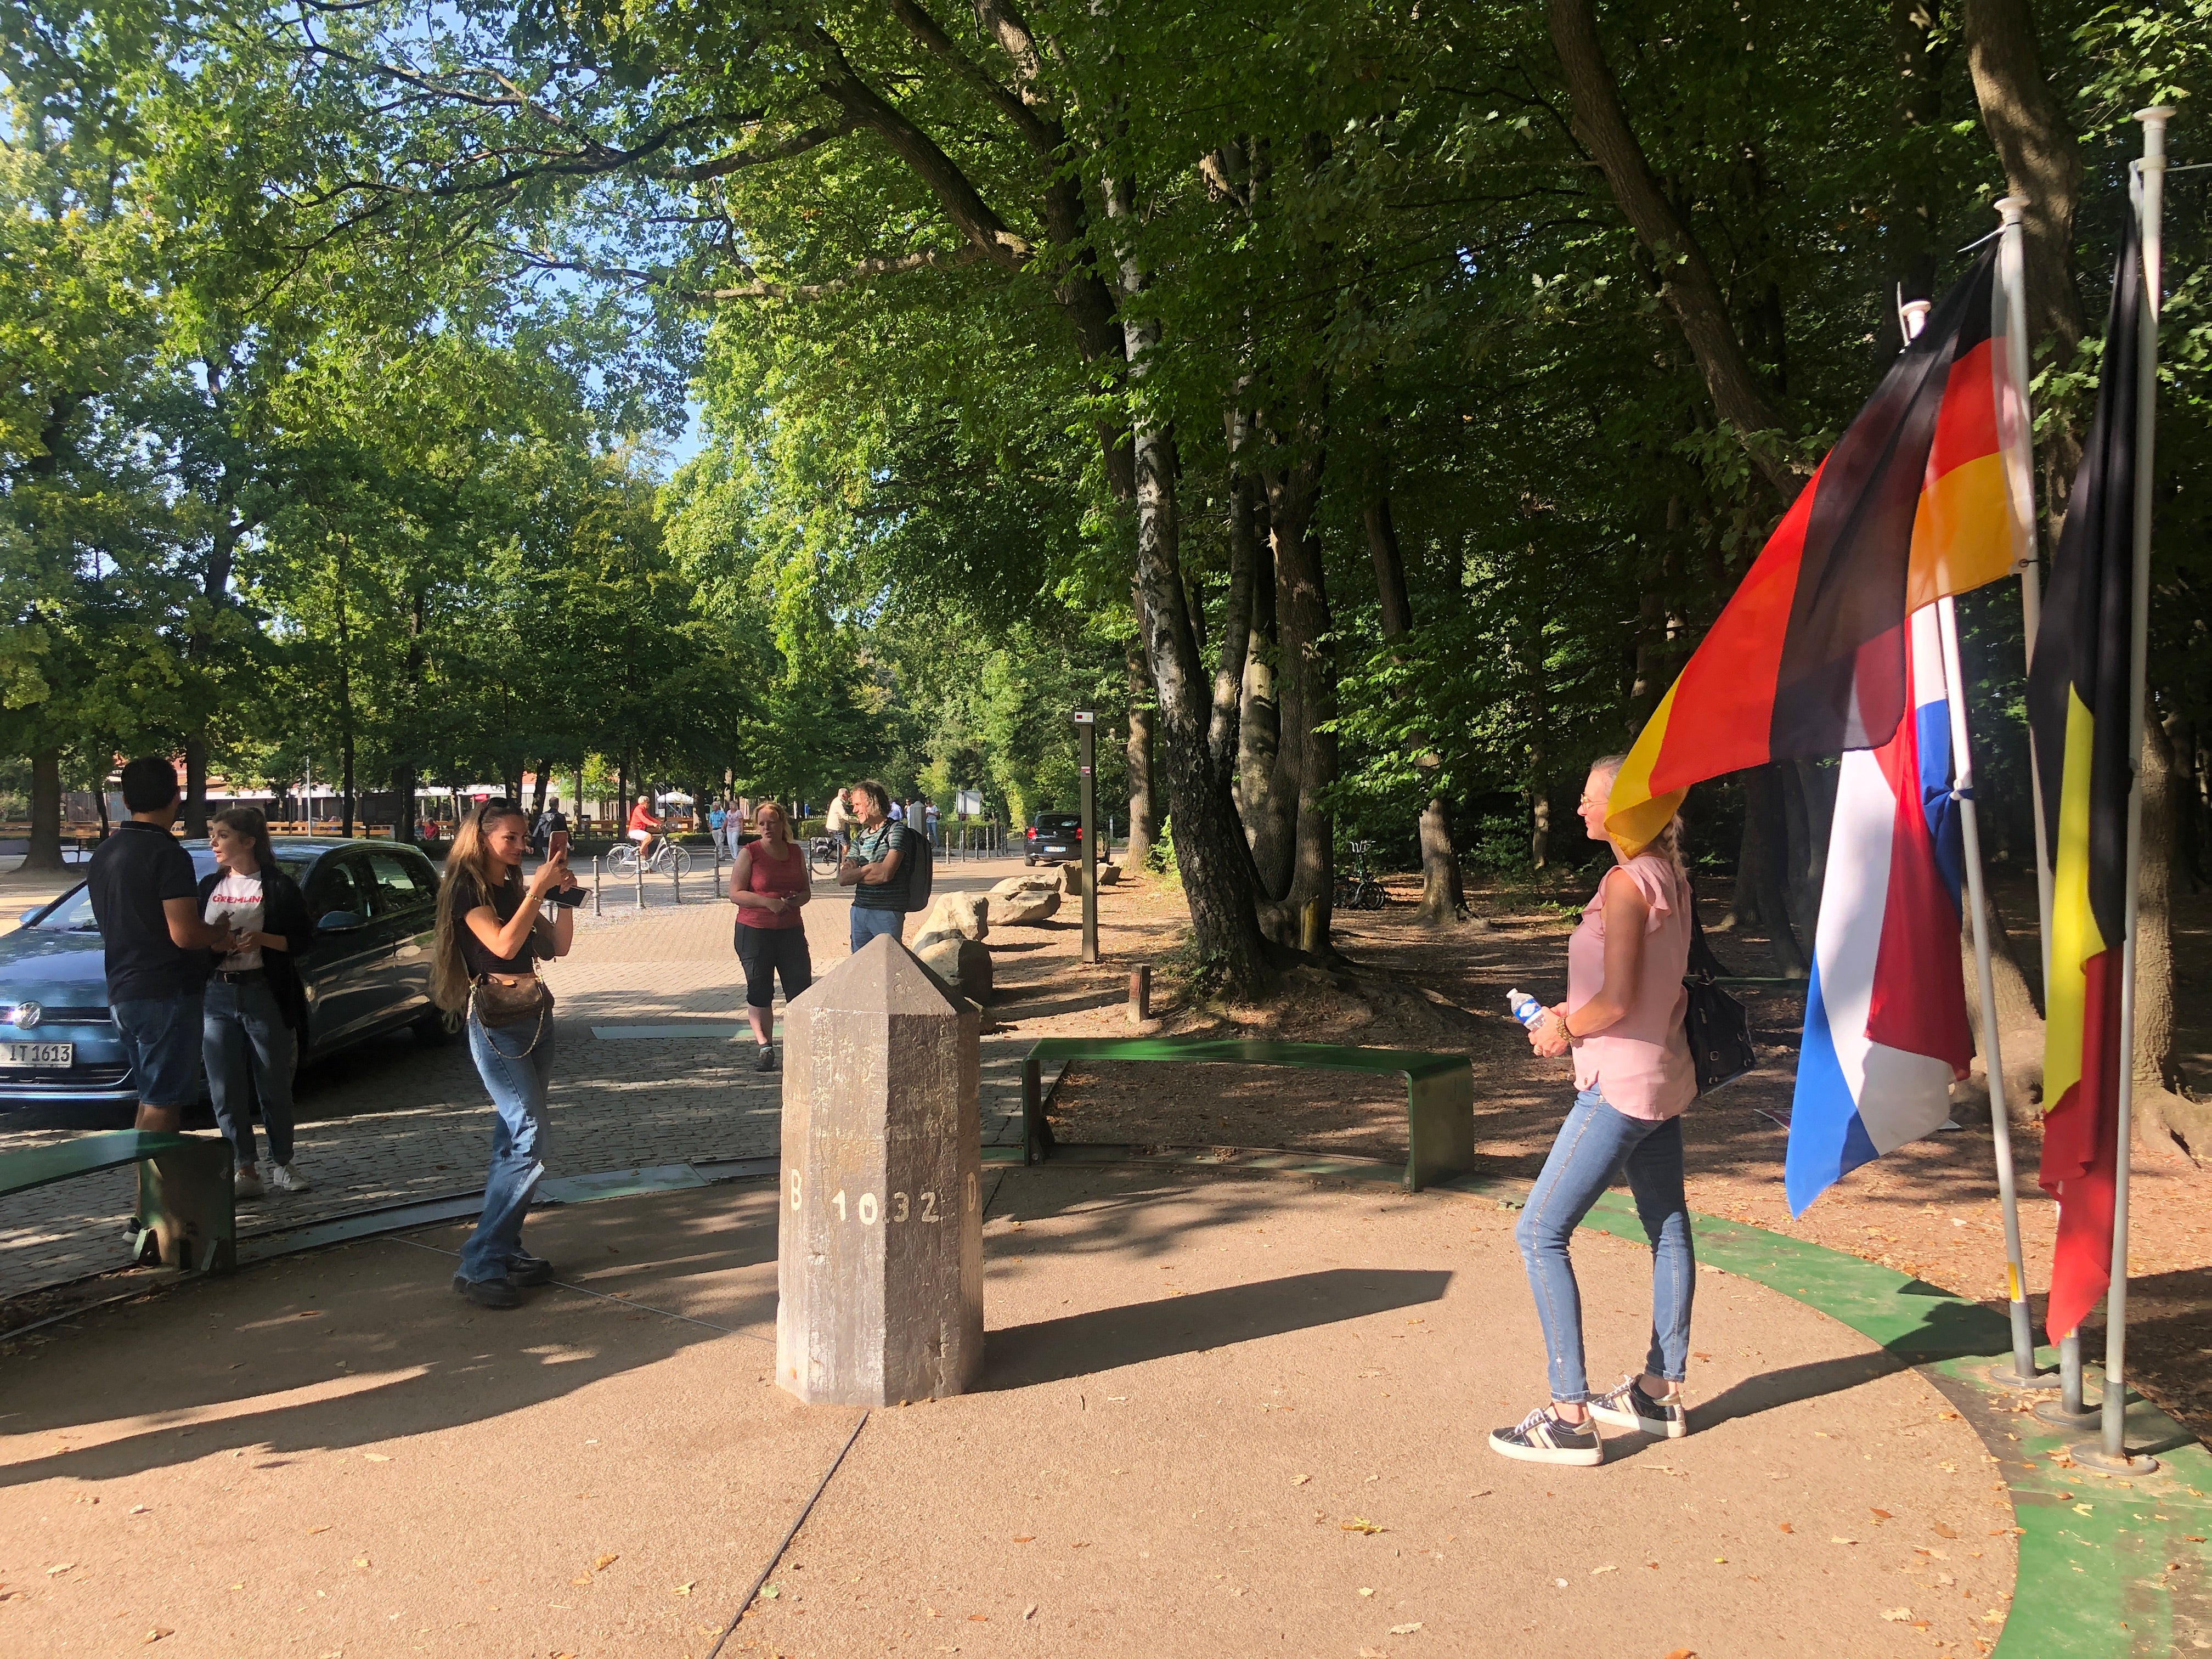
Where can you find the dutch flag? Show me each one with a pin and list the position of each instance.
(1886, 1028)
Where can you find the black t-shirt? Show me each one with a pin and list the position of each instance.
(135, 869)
(504, 900)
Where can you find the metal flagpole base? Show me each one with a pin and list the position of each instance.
(2056, 1413)
(2128, 1466)
(2006, 1375)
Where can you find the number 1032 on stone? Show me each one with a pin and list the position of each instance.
(865, 1209)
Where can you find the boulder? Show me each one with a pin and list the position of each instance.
(965, 914)
(1024, 905)
(1071, 878)
(1045, 880)
(1108, 874)
(961, 964)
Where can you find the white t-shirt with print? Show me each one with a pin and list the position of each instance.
(237, 900)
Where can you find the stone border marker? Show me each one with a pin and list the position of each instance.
(879, 1247)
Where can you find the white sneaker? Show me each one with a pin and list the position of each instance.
(246, 1183)
(283, 1179)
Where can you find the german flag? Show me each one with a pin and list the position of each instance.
(1926, 494)
(2080, 687)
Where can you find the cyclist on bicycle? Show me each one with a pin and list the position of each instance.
(644, 829)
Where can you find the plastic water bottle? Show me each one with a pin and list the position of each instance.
(1526, 1008)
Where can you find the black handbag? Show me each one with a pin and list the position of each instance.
(1718, 1029)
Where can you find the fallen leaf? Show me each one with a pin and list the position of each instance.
(1301, 1480)
(312, 1531)
(1842, 1540)
(985, 1618)
(1953, 1417)
(1031, 1537)
(141, 1508)
(1596, 1570)
(1884, 1515)
(1784, 1526)
(362, 1561)
(1030, 1611)
(376, 1457)
(1682, 1653)
(604, 1562)
(684, 1589)
(581, 1579)
(155, 1634)
(1942, 1531)
(769, 1592)
(1359, 1525)
(1407, 1630)
(1897, 1615)
(1366, 1592)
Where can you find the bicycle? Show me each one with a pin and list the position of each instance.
(821, 855)
(1359, 890)
(623, 860)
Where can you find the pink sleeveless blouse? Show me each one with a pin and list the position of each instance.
(1641, 1063)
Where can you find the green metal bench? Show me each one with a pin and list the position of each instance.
(184, 1216)
(1439, 1088)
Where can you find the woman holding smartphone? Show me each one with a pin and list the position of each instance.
(254, 1015)
(490, 939)
(769, 884)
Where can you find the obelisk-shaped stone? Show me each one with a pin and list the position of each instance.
(880, 1256)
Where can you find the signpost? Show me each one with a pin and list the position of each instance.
(1086, 728)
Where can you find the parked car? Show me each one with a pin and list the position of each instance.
(1053, 836)
(368, 972)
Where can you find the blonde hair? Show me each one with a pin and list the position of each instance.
(761, 809)
(470, 856)
(1667, 843)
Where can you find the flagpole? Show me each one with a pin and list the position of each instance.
(2068, 1410)
(2023, 1372)
(2110, 1454)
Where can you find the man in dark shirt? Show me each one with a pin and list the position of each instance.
(145, 896)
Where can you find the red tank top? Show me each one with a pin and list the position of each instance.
(784, 877)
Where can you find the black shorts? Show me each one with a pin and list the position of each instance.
(768, 952)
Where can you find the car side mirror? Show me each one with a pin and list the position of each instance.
(337, 921)
(29, 915)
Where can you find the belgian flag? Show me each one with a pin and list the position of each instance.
(2080, 686)
(1927, 493)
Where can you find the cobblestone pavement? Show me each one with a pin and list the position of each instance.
(393, 1120)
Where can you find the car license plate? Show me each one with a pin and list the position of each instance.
(38, 1054)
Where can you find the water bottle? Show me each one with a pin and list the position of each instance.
(1526, 1008)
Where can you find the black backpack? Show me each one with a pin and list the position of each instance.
(920, 862)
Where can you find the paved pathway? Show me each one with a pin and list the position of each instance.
(391, 1121)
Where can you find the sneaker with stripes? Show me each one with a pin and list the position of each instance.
(1629, 1407)
(1545, 1437)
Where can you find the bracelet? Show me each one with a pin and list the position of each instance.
(1565, 1029)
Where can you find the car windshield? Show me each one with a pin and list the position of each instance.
(73, 914)
(1059, 821)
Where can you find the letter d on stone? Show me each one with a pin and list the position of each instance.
(880, 1248)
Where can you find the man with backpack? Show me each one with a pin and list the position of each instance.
(888, 866)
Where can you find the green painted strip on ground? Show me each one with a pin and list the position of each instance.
(2131, 1577)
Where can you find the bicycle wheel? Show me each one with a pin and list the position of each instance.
(822, 856)
(621, 858)
(678, 857)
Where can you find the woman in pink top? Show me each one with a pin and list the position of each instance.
(769, 884)
(1622, 1021)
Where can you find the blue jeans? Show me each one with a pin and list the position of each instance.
(867, 923)
(1596, 1144)
(516, 1065)
(162, 1040)
(249, 1051)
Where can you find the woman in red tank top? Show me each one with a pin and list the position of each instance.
(769, 884)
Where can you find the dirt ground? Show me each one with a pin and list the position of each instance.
(1929, 1209)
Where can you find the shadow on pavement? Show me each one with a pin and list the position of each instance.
(1054, 1350)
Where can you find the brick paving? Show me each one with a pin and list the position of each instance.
(393, 1121)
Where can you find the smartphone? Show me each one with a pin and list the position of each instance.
(556, 843)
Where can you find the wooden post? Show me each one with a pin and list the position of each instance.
(1140, 994)
(880, 1259)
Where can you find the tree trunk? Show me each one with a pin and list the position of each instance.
(1259, 715)
(406, 778)
(2043, 163)
(1743, 901)
(2165, 1119)
(195, 815)
(1444, 898)
(345, 701)
(1763, 805)
(1143, 814)
(1246, 564)
(544, 776)
(1273, 836)
(1210, 854)
(1686, 283)
(45, 848)
(1540, 810)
